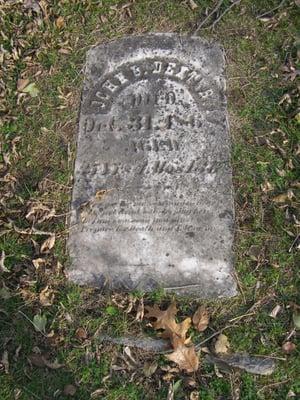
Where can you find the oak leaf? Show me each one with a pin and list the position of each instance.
(185, 357)
(164, 319)
(201, 319)
(178, 335)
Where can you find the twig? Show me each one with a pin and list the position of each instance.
(208, 16)
(241, 316)
(224, 12)
(234, 320)
(273, 9)
(198, 345)
(272, 385)
(239, 285)
(219, 17)
(294, 242)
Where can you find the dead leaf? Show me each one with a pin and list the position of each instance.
(185, 357)
(39, 213)
(149, 368)
(5, 362)
(275, 311)
(21, 84)
(164, 319)
(48, 244)
(284, 197)
(178, 333)
(193, 5)
(97, 393)
(2, 266)
(254, 252)
(81, 334)
(222, 344)
(69, 390)
(288, 347)
(31, 89)
(140, 311)
(37, 262)
(46, 297)
(191, 382)
(296, 319)
(40, 322)
(201, 319)
(128, 354)
(60, 22)
(194, 395)
(64, 51)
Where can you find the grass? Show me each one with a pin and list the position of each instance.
(42, 130)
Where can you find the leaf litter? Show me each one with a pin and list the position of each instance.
(42, 12)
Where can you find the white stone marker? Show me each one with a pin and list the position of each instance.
(152, 201)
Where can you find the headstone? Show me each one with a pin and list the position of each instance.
(152, 200)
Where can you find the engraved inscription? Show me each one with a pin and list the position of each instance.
(112, 84)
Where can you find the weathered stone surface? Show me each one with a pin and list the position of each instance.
(152, 200)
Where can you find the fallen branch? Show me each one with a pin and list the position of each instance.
(145, 343)
(251, 364)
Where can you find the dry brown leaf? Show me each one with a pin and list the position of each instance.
(64, 51)
(140, 311)
(193, 5)
(164, 319)
(275, 311)
(69, 390)
(81, 334)
(288, 347)
(21, 84)
(201, 319)
(185, 357)
(60, 22)
(178, 333)
(284, 197)
(149, 368)
(37, 262)
(97, 393)
(194, 395)
(39, 213)
(5, 362)
(2, 260)
(46, 297)
(222, 344)
(48, 244)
